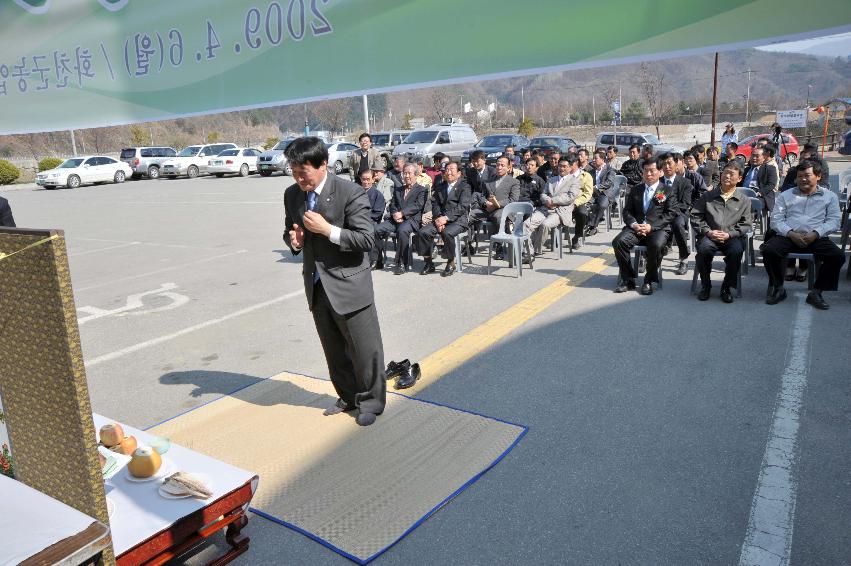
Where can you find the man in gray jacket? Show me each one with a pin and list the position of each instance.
(556, 202)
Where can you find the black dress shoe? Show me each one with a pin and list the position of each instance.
(682, 268)
(625, 286)
(647, 289)
(790, 274)
(365, 419)
(428, 268)
(814, 298)
(778, 295)
(576, 243)
(409, 378)
(399, 269)
(395, 369)
(592, 232)
(704, 293)
(801, 275)
(769, 292)
(726, 295)
(339, 407)
(448, 270)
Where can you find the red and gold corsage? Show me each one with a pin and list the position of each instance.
(660, 197)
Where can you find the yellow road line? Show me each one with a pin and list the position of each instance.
(484, 336)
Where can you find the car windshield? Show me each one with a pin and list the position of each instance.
(190, 151)
(383, 139)
(545, 141)
(229, 152)
(424, 136)
(494, 141)
(70, 164)
(282, 145)
(651, 139)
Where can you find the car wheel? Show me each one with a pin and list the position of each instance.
(73, 182)
(220, 175)
(265, 173)
(119, 177)
(153, 172)
(243, 171)
(288, 171)
(338, 167)
(192, 172)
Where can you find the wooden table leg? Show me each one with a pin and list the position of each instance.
(234, 537)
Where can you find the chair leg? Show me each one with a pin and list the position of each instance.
(694, 280)
(811, 274)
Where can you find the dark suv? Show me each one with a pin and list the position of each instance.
(547, 144)
(495, 145)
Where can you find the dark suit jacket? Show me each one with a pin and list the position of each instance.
(607, 179)
(454, 206)
(6, 214)
(344, 269)
(396, 177)
(376, 203)
(531, 188)
(508, 191)
(476, 181)
(659, 215)
(682, 191)
(412, 208)
(766, 179)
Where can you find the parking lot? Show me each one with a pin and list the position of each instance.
(648, 416)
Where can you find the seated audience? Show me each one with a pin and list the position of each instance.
(604, 190)
(556, 203)
(496, 194)
(450, 202)
(531, 185)
(405, 216)
(682, 191)
(377, 206)
(631, 168)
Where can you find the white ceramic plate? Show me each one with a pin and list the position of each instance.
(203, 477)
(166, 469)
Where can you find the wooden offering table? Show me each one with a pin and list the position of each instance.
(149, 528)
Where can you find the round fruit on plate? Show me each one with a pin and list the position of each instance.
(126, 446)
(111, 434)
(145, 462)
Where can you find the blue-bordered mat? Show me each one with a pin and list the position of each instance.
(357, 490)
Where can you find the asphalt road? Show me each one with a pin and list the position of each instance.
(649, 416)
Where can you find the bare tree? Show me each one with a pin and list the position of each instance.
(332, 113)
(651, 84)
(439, 104)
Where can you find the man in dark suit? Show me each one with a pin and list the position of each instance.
(497, 193)
(649, 210)
(532, 185)
(604, 189)
(405, 216)
(550, 168)
(478, 173)
(328, 218)
(6, 218)
(395, 174)
(376, 213)
(450, 202)
(761, 176)
(681, 190)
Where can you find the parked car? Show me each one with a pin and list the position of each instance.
(192, 160)
(450, 139)
(338, 155)
(546, 144)
(84, 170)
(146, 161)
(626, 139)
(789, 146)
(239, 161)
(845, 148)
(385, 142)
(494, 146)
(273, 159)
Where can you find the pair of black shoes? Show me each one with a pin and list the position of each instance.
(377, 265)
(774, 295)
(428, 268)
(705, 291)
(400, 269)
(405, 373)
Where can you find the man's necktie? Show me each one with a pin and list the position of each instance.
(648, 198)
(669, 183)
(311, 204)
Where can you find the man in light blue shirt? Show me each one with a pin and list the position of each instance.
(803, 218)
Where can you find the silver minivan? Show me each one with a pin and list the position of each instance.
(146, 161)
(450, 139)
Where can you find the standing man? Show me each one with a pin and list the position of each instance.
(721, 218)
(329, 219)
(362, 159)
(803, 219)
(650, 208)
(6, 214)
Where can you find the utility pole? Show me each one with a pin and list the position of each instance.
(748, 99)
(807, 113)
(522, 104)
(73, 144)
(714, 99)
(365, 114)
(593, 111)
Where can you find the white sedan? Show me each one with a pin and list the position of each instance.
(241, 161)
(83, 170)
(338, 155)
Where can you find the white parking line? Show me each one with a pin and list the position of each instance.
(159, 340)
(115, 247)
(163, 270)
(768, 540)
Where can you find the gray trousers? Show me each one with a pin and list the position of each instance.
(354, 353)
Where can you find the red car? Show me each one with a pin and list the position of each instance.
(788, 147)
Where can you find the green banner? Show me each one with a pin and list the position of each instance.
(84, 63)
